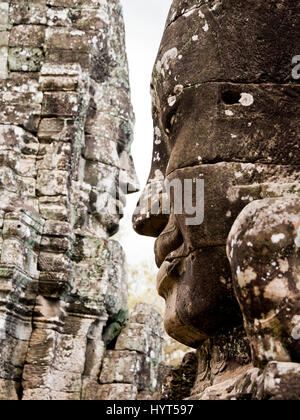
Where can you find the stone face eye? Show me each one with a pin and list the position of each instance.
(231, 97)
(170, 119)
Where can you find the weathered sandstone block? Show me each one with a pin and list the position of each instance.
(66, 125)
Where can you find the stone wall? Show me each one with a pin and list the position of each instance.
(65, 134)
(134, 368)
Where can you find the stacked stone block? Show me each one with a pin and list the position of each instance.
(20, 240)
(131, 370)
(65, 135)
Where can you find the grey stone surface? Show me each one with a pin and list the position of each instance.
(225, 96)
(66, 126)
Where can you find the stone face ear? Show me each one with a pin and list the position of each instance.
(264, 252)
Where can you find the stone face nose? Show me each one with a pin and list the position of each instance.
(150, 216)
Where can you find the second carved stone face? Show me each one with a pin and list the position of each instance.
(219, 83)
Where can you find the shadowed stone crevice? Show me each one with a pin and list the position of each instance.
(113, 328)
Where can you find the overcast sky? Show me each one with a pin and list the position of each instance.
(144, 23)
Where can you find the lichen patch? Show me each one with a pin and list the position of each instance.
(246, 277)
(277, 290)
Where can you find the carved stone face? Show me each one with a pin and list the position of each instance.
(218, 86)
